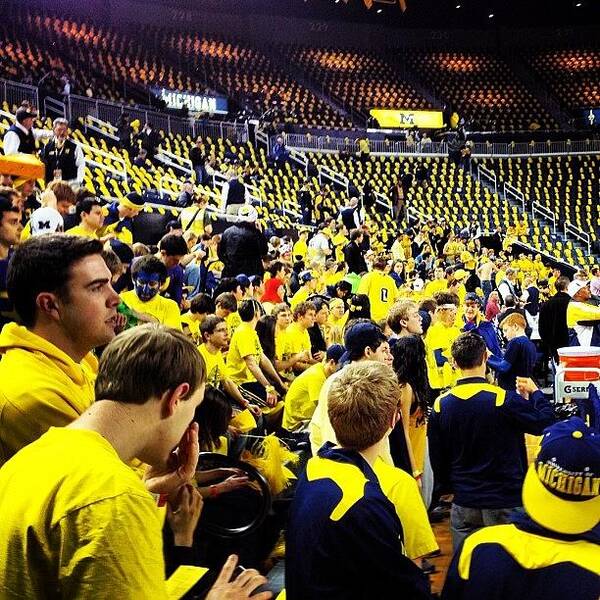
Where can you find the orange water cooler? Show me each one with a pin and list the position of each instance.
(578, 367)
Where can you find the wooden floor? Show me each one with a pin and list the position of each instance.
(442, 534)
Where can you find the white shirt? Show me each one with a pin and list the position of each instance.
(12, 141)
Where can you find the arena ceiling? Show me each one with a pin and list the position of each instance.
(423, 13)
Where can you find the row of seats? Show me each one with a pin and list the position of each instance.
(122, 65)
(572, 75)
(359, 79)
(482, 89)
(450, 192)
(567, 185)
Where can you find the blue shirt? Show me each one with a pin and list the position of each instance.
(476, 442)
(519, 360)
(524, 562)
(344, 538)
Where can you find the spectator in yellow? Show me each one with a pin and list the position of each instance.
(60, 288)
(247, 365)
(96, 521)
(308, 284)
(149, 275)
(91, 218)
(380, 288)
(438, 341)
(298, 338)
(303, 395)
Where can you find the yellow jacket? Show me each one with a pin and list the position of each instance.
(41, 387)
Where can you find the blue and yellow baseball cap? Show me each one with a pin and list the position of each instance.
(561, 491)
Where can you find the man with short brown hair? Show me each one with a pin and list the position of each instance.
(95, 520)
(60, 287)
(344, 539)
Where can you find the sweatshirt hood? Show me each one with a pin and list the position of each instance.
(17, 337)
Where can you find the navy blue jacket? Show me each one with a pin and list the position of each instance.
(522, 561)
(519, 360)
(476, 442)
(344, 539)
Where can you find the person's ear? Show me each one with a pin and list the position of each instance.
(395, 418)
(48, 304)
(172, 398)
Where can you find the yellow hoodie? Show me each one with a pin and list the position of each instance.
(40, 387)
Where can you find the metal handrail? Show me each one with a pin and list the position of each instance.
(299, 158)
(383, 200)
(490, 175)
(97, 125)
(576, 232)
(263, 138)
(334, 176)
(55, 106)
(511, 190)
(545, 212)
(171, 160)
(14, 93)
(113, 157)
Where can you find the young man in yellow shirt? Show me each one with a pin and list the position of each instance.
(61, 291)
(298, 339)
(302, 397)
(97, 522)
(247, 365)
(438, 341)
(91, 218)
(380, 288)
(308, 285)
(215, 339)
(149, 275)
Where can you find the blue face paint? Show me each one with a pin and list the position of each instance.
(147, 285)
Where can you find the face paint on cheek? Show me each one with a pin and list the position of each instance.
(147, 286)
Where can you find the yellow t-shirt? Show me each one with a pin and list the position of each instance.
(300, 248)
(186, 216)
(215, 365)
(81, 231)
(189, 319)
(397, 250)
(77, 522)
(382, 292)
(298, 340)
(300, 296)
(435, 286)
(41, 387)
(233, 321)
(124, 235)
(302, 397)
(440, 337)
(244, 342)
(403, 492)
(164, 310)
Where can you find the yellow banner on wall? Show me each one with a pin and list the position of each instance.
(425, 119)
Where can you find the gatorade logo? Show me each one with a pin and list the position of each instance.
(575, 389)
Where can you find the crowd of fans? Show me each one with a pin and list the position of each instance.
(414, 370)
